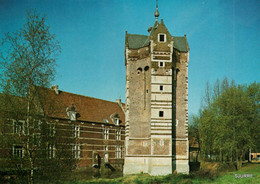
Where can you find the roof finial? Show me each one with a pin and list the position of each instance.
(156, 13)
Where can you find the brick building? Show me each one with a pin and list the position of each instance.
(92, 129)
(156, 102)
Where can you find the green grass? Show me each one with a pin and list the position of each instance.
(195, 178)
(229, 177)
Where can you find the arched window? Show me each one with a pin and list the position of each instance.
(139, 70)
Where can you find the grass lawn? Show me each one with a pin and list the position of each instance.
(242, 176)
(250, 173)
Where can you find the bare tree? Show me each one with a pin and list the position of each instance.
(27, 59)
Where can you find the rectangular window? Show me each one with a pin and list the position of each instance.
(160, 113)
(118, 135)
(18, 151)
(76, 151)
(117, 121)
(106, 133)
(118, 152)
(76, 131)
(51, 150)
(52, 129)
(161, 38)
(161, 63)
(106, 154)
(161, 88)
(37, 125)
(36, 139)
(19, 127)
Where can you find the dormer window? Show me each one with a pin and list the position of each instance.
(117, 121)
(161, 37)
(73, 116)
(115, 118)
(71, 113)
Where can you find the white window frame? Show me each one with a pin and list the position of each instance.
(19, 127)
(159, 64)
(106, 133)
(51, 151)
(73, 116)
(118, 154)
(76, 131)
(117, 121)
(76, 151)
(118, 134)
(38, 124)
(164, 35)
(37, 136)
(52, 130)
(106, 155)
(18, 152)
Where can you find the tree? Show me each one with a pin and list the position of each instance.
(229, 123)
(27, 61)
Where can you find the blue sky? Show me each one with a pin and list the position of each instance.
(224, 39)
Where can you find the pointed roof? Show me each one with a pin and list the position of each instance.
(136, 41)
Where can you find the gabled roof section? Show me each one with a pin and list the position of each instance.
(88, 108)
(180, 43)
(136, 41)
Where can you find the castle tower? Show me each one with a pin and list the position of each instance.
(156, 102)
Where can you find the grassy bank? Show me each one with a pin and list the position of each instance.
(250, 173)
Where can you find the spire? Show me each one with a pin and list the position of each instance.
(156, 13)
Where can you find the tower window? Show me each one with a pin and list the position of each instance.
(161, 88)
(160, 113)
(162, 37)
(139, 70)
(161, 64)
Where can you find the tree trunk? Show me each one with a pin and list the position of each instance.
(239, 160)
(30, 177)
(249, 155)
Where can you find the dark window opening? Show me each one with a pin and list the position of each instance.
(146, 68)
(147, 91)
(18, 151)
(162, 37)
(161, 63)
(161, 88)
(139, 70)
(160, 113)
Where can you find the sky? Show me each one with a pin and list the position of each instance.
(223, 35)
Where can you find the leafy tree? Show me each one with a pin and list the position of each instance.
(27, 61)
(229, 123)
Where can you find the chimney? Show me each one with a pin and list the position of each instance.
(55, 88)
(119, 102)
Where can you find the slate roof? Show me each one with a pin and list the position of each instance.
(180, 43)
(136, 41)
(89, 109)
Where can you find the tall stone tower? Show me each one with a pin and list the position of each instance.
(156, 102)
